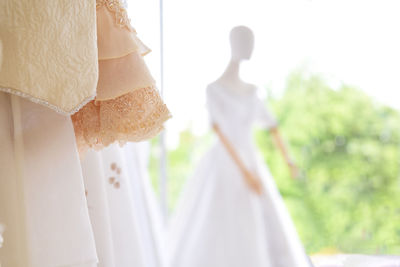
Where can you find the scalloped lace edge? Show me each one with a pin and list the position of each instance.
(46, 103)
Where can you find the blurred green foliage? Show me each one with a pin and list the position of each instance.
(348, 149)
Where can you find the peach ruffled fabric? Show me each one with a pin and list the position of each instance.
(127, 106)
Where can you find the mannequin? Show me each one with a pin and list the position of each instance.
(219, 222)
(242, 44)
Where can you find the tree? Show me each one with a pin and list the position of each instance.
(348, 147)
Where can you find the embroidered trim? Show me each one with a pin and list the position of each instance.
(121, 16)
(115, 180)
(132, 117)
(46, 103)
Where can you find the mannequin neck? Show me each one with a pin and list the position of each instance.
(230, 79)
(231, 73)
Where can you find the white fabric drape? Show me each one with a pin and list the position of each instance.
(121, 210)
(147, 207)
(42, 200)
(42, 196)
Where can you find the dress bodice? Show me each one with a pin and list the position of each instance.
(236, 113)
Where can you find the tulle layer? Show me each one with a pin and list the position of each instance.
(134, 117)
(120, 76)
(115, 36)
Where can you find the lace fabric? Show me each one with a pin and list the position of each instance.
(133, 117)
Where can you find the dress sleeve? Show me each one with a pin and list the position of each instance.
(128, 107)
(262, 114)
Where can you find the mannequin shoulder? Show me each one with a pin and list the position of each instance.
(251, 88)
(212, 88)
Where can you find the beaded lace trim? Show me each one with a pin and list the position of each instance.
(121, 16)
(46, 103)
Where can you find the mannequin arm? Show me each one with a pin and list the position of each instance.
(253, 182)
(283, 148)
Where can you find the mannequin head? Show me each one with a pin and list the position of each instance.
(242, 43)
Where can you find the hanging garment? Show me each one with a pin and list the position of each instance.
(42, 197)
(48, 52)
(42, 200)
(119, 209)
(127, 106)
(220, 222)
(147, 208)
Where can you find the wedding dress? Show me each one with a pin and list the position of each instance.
(42, 200)
(147, 208)
(110, 203)
(42, 195)
(220, 222)
(127, 108)
(123, 217)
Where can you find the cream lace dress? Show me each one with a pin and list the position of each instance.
(127, 108)
(45, 58)
(43, 204)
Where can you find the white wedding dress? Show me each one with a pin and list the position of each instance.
(42, 200)
(42, 196)
(220, 222)
(122, 208)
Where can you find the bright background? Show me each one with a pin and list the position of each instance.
(329, 70)
(346, 41)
